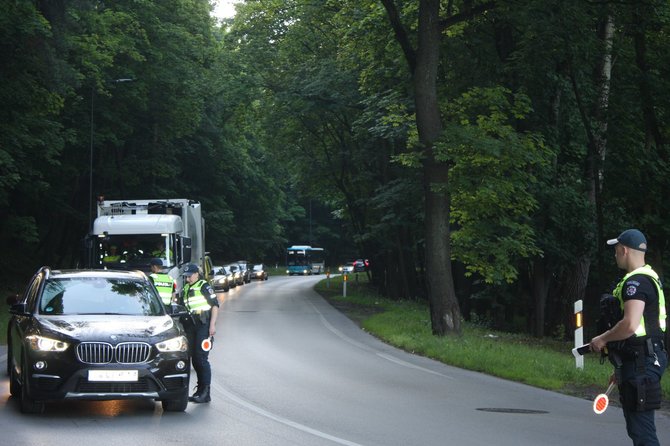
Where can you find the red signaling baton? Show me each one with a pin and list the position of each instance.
(206, 344)
(601, 402)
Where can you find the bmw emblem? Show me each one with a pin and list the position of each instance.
(113, 337)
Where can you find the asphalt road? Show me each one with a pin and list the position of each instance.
(288, 369)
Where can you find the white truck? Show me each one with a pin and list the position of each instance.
(127, 234)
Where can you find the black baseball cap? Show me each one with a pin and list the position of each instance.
(190, 269)
(157, 262)
(631, 238)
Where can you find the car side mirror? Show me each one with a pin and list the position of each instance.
(19, 309)
(176, 310)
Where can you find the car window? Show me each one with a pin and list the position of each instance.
(96, 295)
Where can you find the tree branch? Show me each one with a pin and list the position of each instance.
(400, 33)
(466, 14)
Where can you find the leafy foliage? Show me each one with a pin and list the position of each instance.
(295, 122)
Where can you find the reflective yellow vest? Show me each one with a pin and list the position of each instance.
(193, 297)
(165, 286)
(647, 271)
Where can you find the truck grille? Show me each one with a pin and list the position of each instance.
(104, 353)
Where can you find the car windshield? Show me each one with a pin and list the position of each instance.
(258, 267)
(99, 295)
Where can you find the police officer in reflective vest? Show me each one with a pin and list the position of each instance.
(200, 300)
(635, 343)
(165, 285)
(113, 256)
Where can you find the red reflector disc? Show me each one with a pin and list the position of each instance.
(206, 344)
(600, 403)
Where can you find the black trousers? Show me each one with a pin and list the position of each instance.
(196, 332)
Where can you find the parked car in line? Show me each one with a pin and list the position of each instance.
(361, 265)
(347, 268)
(232, 280)
(258, 272)
(95, 335)
(246, 270)
(238, 274)
(220, 279)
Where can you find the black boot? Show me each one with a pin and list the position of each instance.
(196, 394)
(201, 395)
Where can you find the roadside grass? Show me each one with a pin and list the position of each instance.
(540, 362)
(275, 270)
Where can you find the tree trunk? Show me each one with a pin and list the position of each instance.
(596, 130)
(600, 135)
(444, 311)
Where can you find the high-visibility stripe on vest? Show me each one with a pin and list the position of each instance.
(193, 297)
(647, 271)
(165, 286)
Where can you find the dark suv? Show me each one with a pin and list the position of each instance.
(95, 335)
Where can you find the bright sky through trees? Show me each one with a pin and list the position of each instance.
(224, 9)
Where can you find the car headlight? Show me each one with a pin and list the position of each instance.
(42, 344)
(178, 344)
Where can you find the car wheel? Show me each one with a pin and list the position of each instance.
(176, 405)
(28, 405)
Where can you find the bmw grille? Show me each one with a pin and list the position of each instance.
(105, 353)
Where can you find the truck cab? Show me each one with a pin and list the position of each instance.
(127, 234)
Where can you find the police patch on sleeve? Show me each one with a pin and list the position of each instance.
(631, 290)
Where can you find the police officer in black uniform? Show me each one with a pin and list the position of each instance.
(635, 343)
(200, 300)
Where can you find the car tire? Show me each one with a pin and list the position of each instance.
(28, 405)
(176, 405)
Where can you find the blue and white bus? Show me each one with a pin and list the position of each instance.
(302, 259)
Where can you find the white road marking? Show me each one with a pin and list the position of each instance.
(301, 427)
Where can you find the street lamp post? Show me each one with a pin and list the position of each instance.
(90, 166)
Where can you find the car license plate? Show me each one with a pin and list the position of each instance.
(112, 375)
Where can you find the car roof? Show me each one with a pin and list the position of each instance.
(103, 273)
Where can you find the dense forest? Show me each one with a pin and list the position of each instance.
(478, 152)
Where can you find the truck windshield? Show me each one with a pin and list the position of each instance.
(135, 251)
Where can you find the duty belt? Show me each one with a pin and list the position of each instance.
(199, 312)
